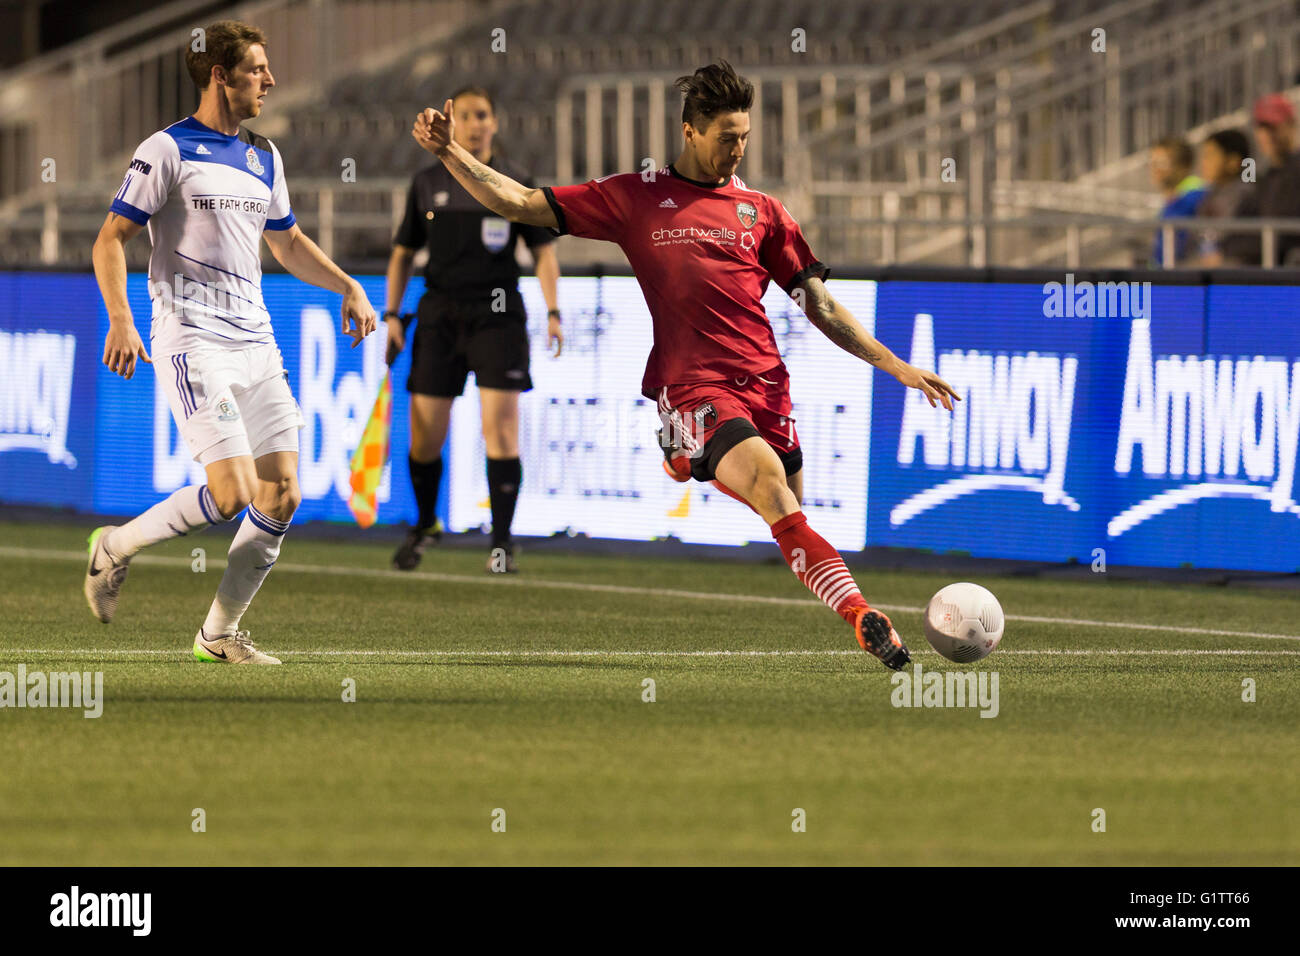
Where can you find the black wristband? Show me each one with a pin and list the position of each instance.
(390, 314)
(552, 312)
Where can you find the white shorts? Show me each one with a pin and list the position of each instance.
(231, 402)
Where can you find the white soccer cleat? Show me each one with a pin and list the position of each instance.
(229, 649)
(104, 576)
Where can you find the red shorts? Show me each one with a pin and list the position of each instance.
(705, 420)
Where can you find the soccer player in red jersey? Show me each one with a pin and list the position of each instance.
(704, 247)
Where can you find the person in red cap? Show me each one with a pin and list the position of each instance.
(1277, 194)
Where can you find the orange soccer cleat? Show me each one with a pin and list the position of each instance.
(876, 636)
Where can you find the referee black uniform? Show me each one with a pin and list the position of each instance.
(471, 256)
(471, 318)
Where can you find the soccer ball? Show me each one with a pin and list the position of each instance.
(964, 622)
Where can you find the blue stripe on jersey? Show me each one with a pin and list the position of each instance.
(209, 265)
(201, 144)
(279, 225)
(233, 295)
(213, 313)
(127, 211)
(191, 325)
(226, 196)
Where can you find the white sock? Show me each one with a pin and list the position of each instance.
(254, 550)
(191, 508)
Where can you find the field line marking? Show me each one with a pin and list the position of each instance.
(498, 581)
(370, 652)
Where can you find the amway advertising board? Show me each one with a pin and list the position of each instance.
(1158, 427)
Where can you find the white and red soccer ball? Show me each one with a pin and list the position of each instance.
(964, 622)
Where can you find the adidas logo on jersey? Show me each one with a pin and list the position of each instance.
(203, 150)
(668, 204)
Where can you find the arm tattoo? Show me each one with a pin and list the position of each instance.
(822, 313)
(482, 173)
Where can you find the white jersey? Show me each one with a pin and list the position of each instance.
(206, 198)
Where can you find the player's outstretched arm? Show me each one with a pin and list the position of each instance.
(504, 196)
(296, 252)
(122, 344)
(838, 324)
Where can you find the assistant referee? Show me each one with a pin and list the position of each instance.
(470, 319)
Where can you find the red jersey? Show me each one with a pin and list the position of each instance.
(703, 254)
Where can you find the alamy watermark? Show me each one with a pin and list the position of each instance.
(946, 689)
(130, 910)
(82, 689)
(1100, 300)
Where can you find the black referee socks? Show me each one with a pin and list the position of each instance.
(426, 477)
(503, 478)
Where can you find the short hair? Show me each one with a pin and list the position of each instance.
(1179, 150)
(711, 90)
(474, 90)
(1232, 142)
(224, 44)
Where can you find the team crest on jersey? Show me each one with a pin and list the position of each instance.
(254, 164)
(495, 233)
(747, 214)
(706, 416)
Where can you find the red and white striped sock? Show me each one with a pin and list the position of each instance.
(818, 565)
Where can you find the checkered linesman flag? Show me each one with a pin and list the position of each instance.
(370, 456)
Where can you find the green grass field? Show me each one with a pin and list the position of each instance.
(476, 693)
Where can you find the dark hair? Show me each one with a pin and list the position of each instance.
(1179, 150)
(472, 90)
(1232, 142)
(224, 44)
(711, 90)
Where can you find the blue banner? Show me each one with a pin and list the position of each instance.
(1141, 424)
(74, 434)
(48, 402)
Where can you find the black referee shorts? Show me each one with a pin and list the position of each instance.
(454, 337)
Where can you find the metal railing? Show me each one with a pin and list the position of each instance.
(1043, 106)
(1047, 240)
(646, 110)
(86, 106)
(355, 223)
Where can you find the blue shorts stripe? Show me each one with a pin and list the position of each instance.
(185, 363)
(180, 387)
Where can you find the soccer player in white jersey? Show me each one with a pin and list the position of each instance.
(208, 189)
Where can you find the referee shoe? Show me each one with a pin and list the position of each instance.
(411, 550)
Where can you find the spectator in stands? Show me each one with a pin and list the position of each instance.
(1171, 173)
(1221, 158)
(1277, 194)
